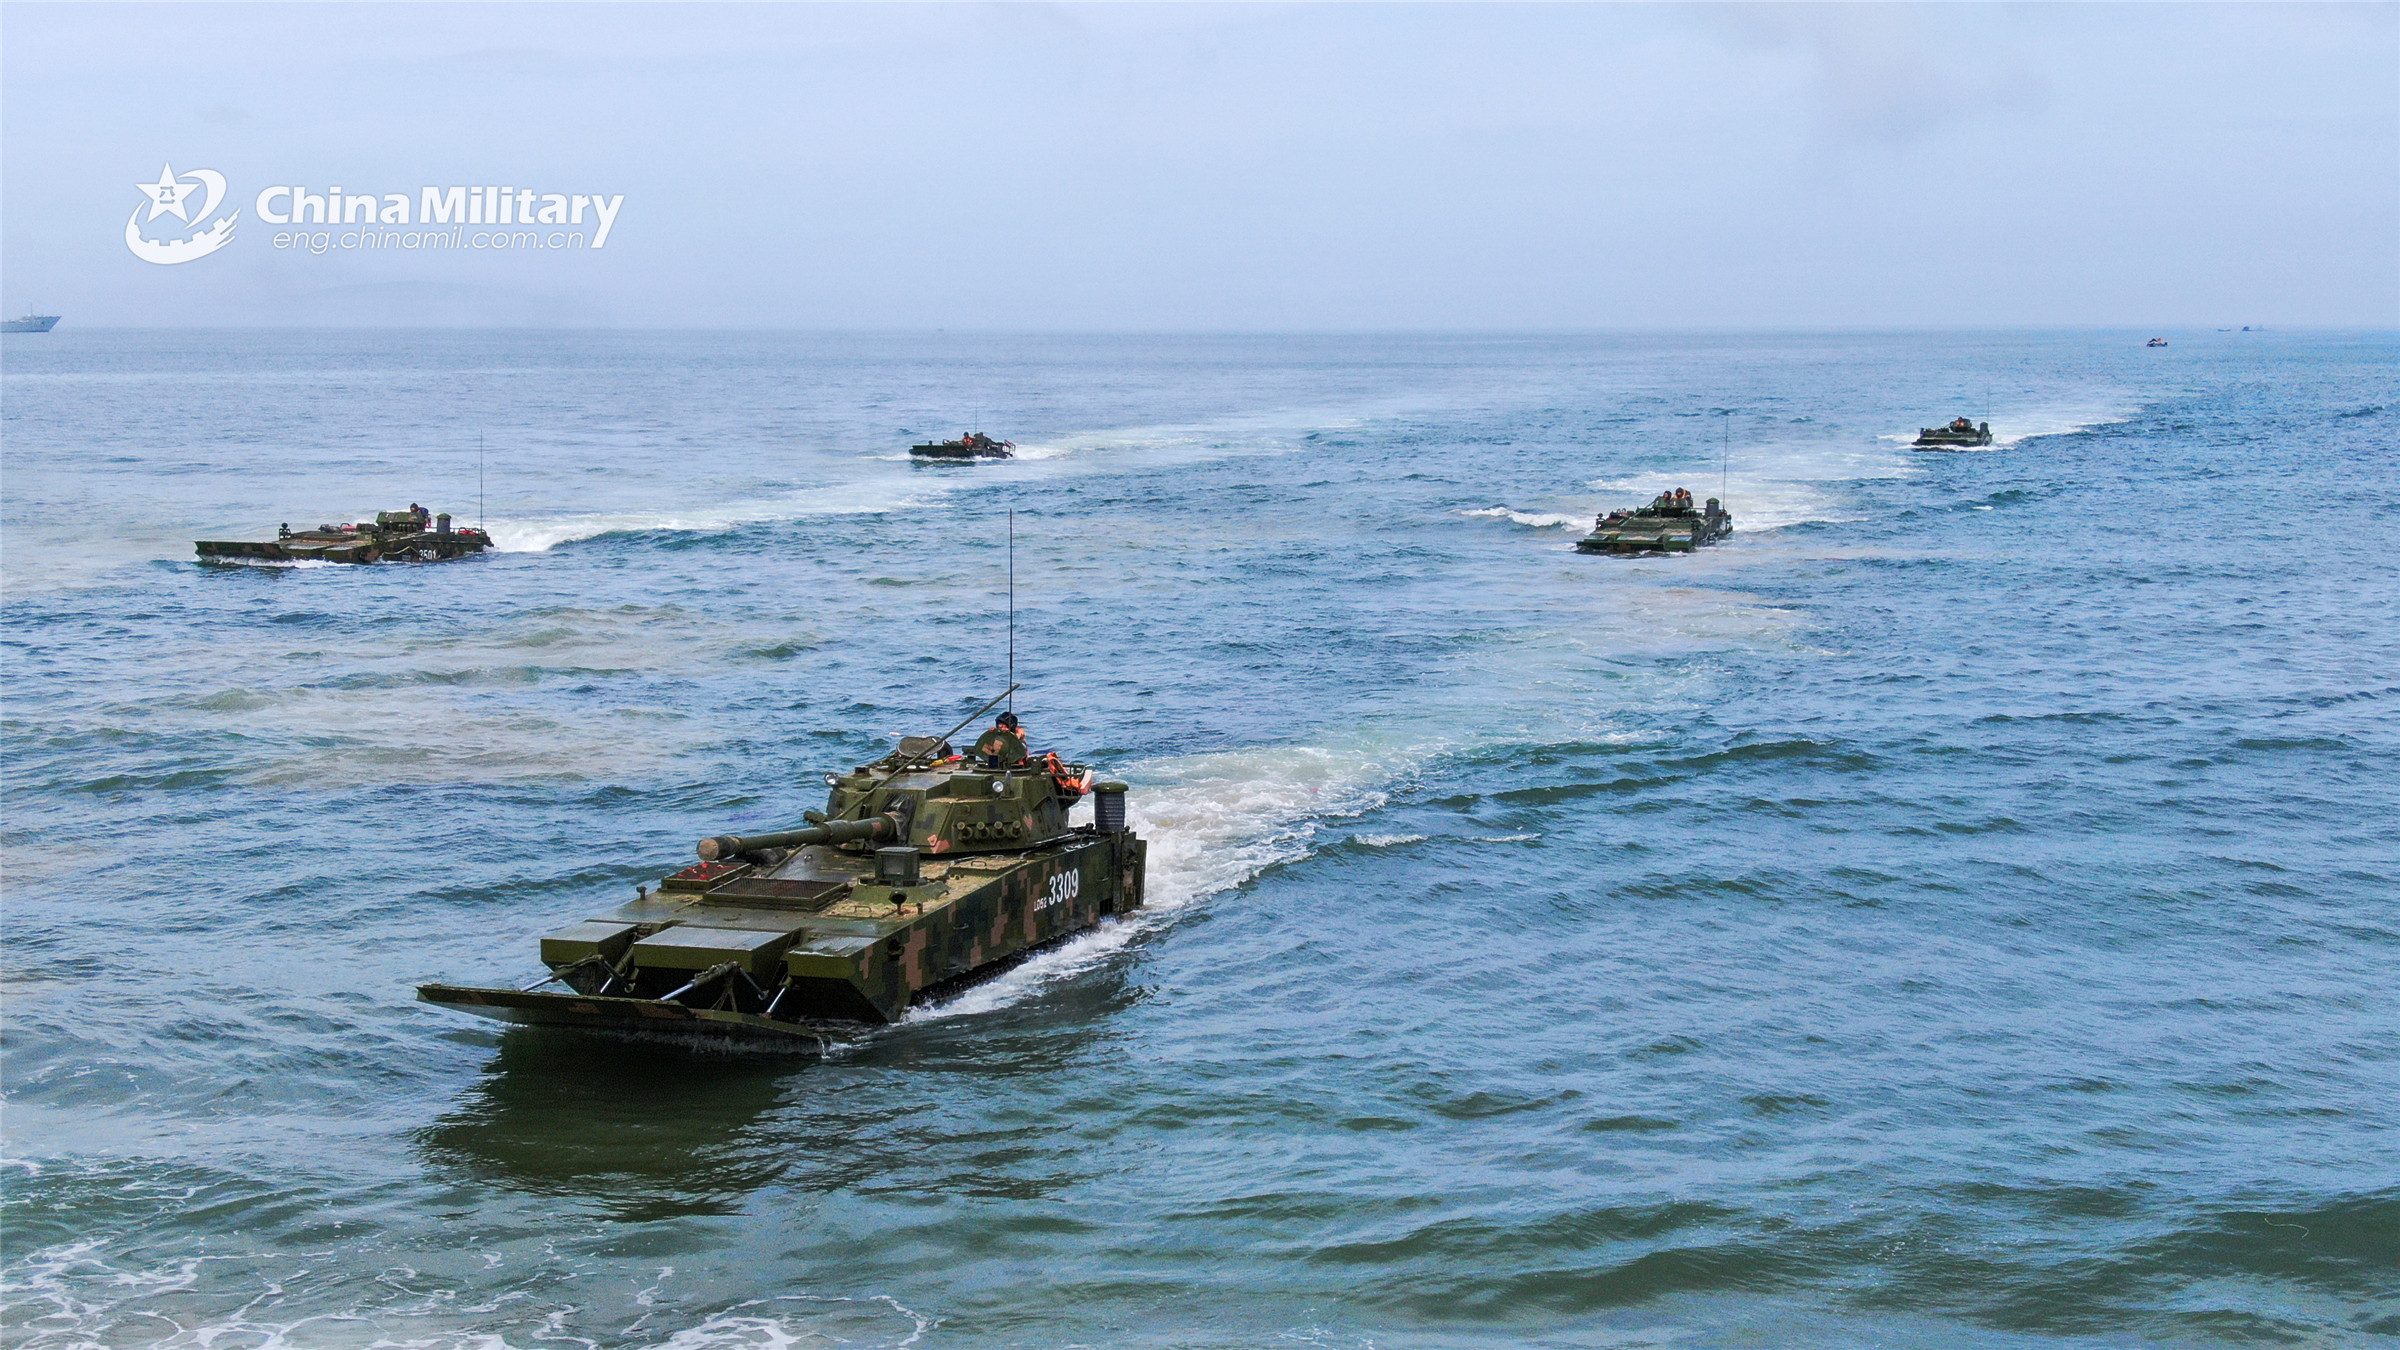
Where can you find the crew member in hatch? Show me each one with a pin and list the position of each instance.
(1004, 744)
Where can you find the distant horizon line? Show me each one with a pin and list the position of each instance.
(1529, 331)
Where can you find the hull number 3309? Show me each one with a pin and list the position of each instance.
(1064, 887)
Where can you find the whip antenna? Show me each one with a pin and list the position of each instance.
(1012, 609)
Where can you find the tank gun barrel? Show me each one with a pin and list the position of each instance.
(832, 832)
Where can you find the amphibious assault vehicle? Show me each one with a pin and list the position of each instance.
(925, 869)
(973, 445)
(1669, 524)
(414, 535)
(1960, 433)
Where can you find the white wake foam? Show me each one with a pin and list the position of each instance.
(1276, 431)
(1212, 822)
(1759, 501)
(2026, 424)
(281, 564)
(1534, 519)
(2058, 422)
(536, 534)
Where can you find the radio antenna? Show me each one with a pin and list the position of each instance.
(1012, 609)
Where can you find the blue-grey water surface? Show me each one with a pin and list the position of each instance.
(1960, 910)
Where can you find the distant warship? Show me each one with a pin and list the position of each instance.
(31, 323)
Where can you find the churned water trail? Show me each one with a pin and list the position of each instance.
(1957, 910)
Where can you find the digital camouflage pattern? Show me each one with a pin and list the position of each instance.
(925, 869)
(1661, 527)
(393, 536)
(1961, 433)
(972, 445)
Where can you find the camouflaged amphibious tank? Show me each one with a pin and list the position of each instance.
(1666, 525)
(414, 535)
(1960, 434)
(925, 869)
(971, 445)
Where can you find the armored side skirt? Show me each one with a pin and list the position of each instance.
(423, 548)
(831, 1007)
(728, 963)
(1674, 543)
(226, 548)
(636, 1015)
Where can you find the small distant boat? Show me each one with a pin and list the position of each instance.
(2156, 342)
(31, 323)
(1960, 432)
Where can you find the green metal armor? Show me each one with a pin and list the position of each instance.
(925, 869)
(1661, 527)
(394, 536)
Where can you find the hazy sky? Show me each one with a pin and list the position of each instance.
(1235, 166)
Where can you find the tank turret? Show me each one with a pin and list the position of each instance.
(838, 832)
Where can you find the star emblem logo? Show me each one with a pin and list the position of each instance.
(171, 195)
(167, 194)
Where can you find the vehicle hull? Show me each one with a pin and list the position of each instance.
(738, 951)
(1671, 534)
(364, 547)
(643, 1016)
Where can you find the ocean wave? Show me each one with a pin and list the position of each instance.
(831, 1320)
(77, 1296)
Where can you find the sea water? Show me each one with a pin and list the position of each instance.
(1958, 910)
